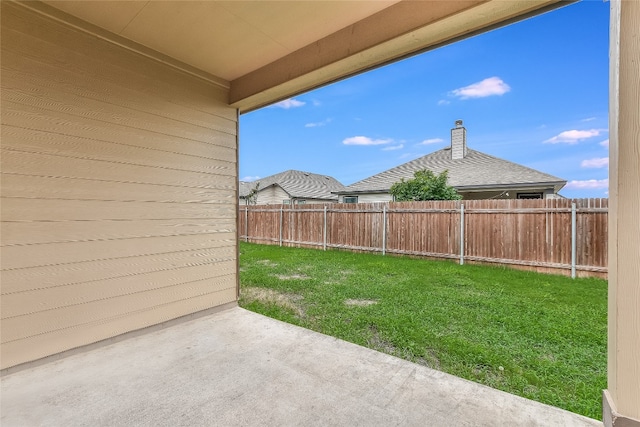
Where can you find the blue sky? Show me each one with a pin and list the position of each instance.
(534, 92)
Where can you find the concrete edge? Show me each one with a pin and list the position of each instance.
(118, 338)
(440, 373)
(610, 415)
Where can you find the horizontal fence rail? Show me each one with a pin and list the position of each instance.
(555, 236)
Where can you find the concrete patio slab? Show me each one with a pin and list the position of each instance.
(237, 368)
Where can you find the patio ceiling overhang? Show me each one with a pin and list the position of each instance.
(266, 51)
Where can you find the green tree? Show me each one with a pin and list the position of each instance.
(252, 197)
(425, 185)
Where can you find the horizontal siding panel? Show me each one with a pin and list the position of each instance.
(62, 253)
(96, 112)
(53, 43)
(61, 123)
(28, 302)
(215, 148)
(33, 233)
(39, 79)
(29, 186)
(23, 139)
(32, 278)
(19, 162)
(42, 345)
(83, 210)
(22, 327)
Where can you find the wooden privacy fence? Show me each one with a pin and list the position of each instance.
(557, 236)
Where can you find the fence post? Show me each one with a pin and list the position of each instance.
(573, 240)
(384, 229)
(281, 213)
(324, 233)
(461, 234)
(246, 223)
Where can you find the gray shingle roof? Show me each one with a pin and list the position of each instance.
(298, 184)
(475, 170)
(245, 187)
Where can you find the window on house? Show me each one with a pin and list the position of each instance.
(286, 202)
(529, 195)
(301, 202)
(350, 199)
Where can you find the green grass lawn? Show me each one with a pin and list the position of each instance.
(540, 336)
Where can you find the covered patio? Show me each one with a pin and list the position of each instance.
(235, 368)
(119, 213)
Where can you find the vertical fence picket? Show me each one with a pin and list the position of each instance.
(384, 229)
(573, 240)
(281, 217)
(246, 223)
(324, 230)
(461, 234)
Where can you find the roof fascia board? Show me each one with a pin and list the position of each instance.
(360, 192)
(472, 188)
(403, 29)
(275, 184)
(510, 186)
(86, 27)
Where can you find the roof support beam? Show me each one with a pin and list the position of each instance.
(621, 402)
(401, 30)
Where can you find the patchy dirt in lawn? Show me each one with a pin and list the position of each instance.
(269, 296)
(378, 343)
(267, 263)
(360, 302)
(292, 277)
(340, 279)
(430, 360)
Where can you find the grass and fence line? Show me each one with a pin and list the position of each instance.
(540, 336)
(561, 236)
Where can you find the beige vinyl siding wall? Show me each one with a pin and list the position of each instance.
(502, 194)
(273, 195)
(119, 192)
(370, 198)
(467, 195)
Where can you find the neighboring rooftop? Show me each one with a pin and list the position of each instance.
(468, 170)
(475, 170)
(298, 184)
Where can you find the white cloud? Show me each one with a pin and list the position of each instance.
(316, 103)
(431, 141)
(318, 124)
(289, 103)
(599, 162)
(605, 143)
(588, 119)
(409, 156)
(393, 147)
(487, 87)
(365, 140)
(250, 178)
(589, 184)
(444, 102)
(573, 136)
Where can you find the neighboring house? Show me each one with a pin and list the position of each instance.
(474, 174)
(291, 187)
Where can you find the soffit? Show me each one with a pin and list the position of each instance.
(227, 39)
(266, 51)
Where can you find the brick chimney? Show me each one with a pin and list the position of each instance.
(458, 141)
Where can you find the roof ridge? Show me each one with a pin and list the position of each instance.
(477, 168)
